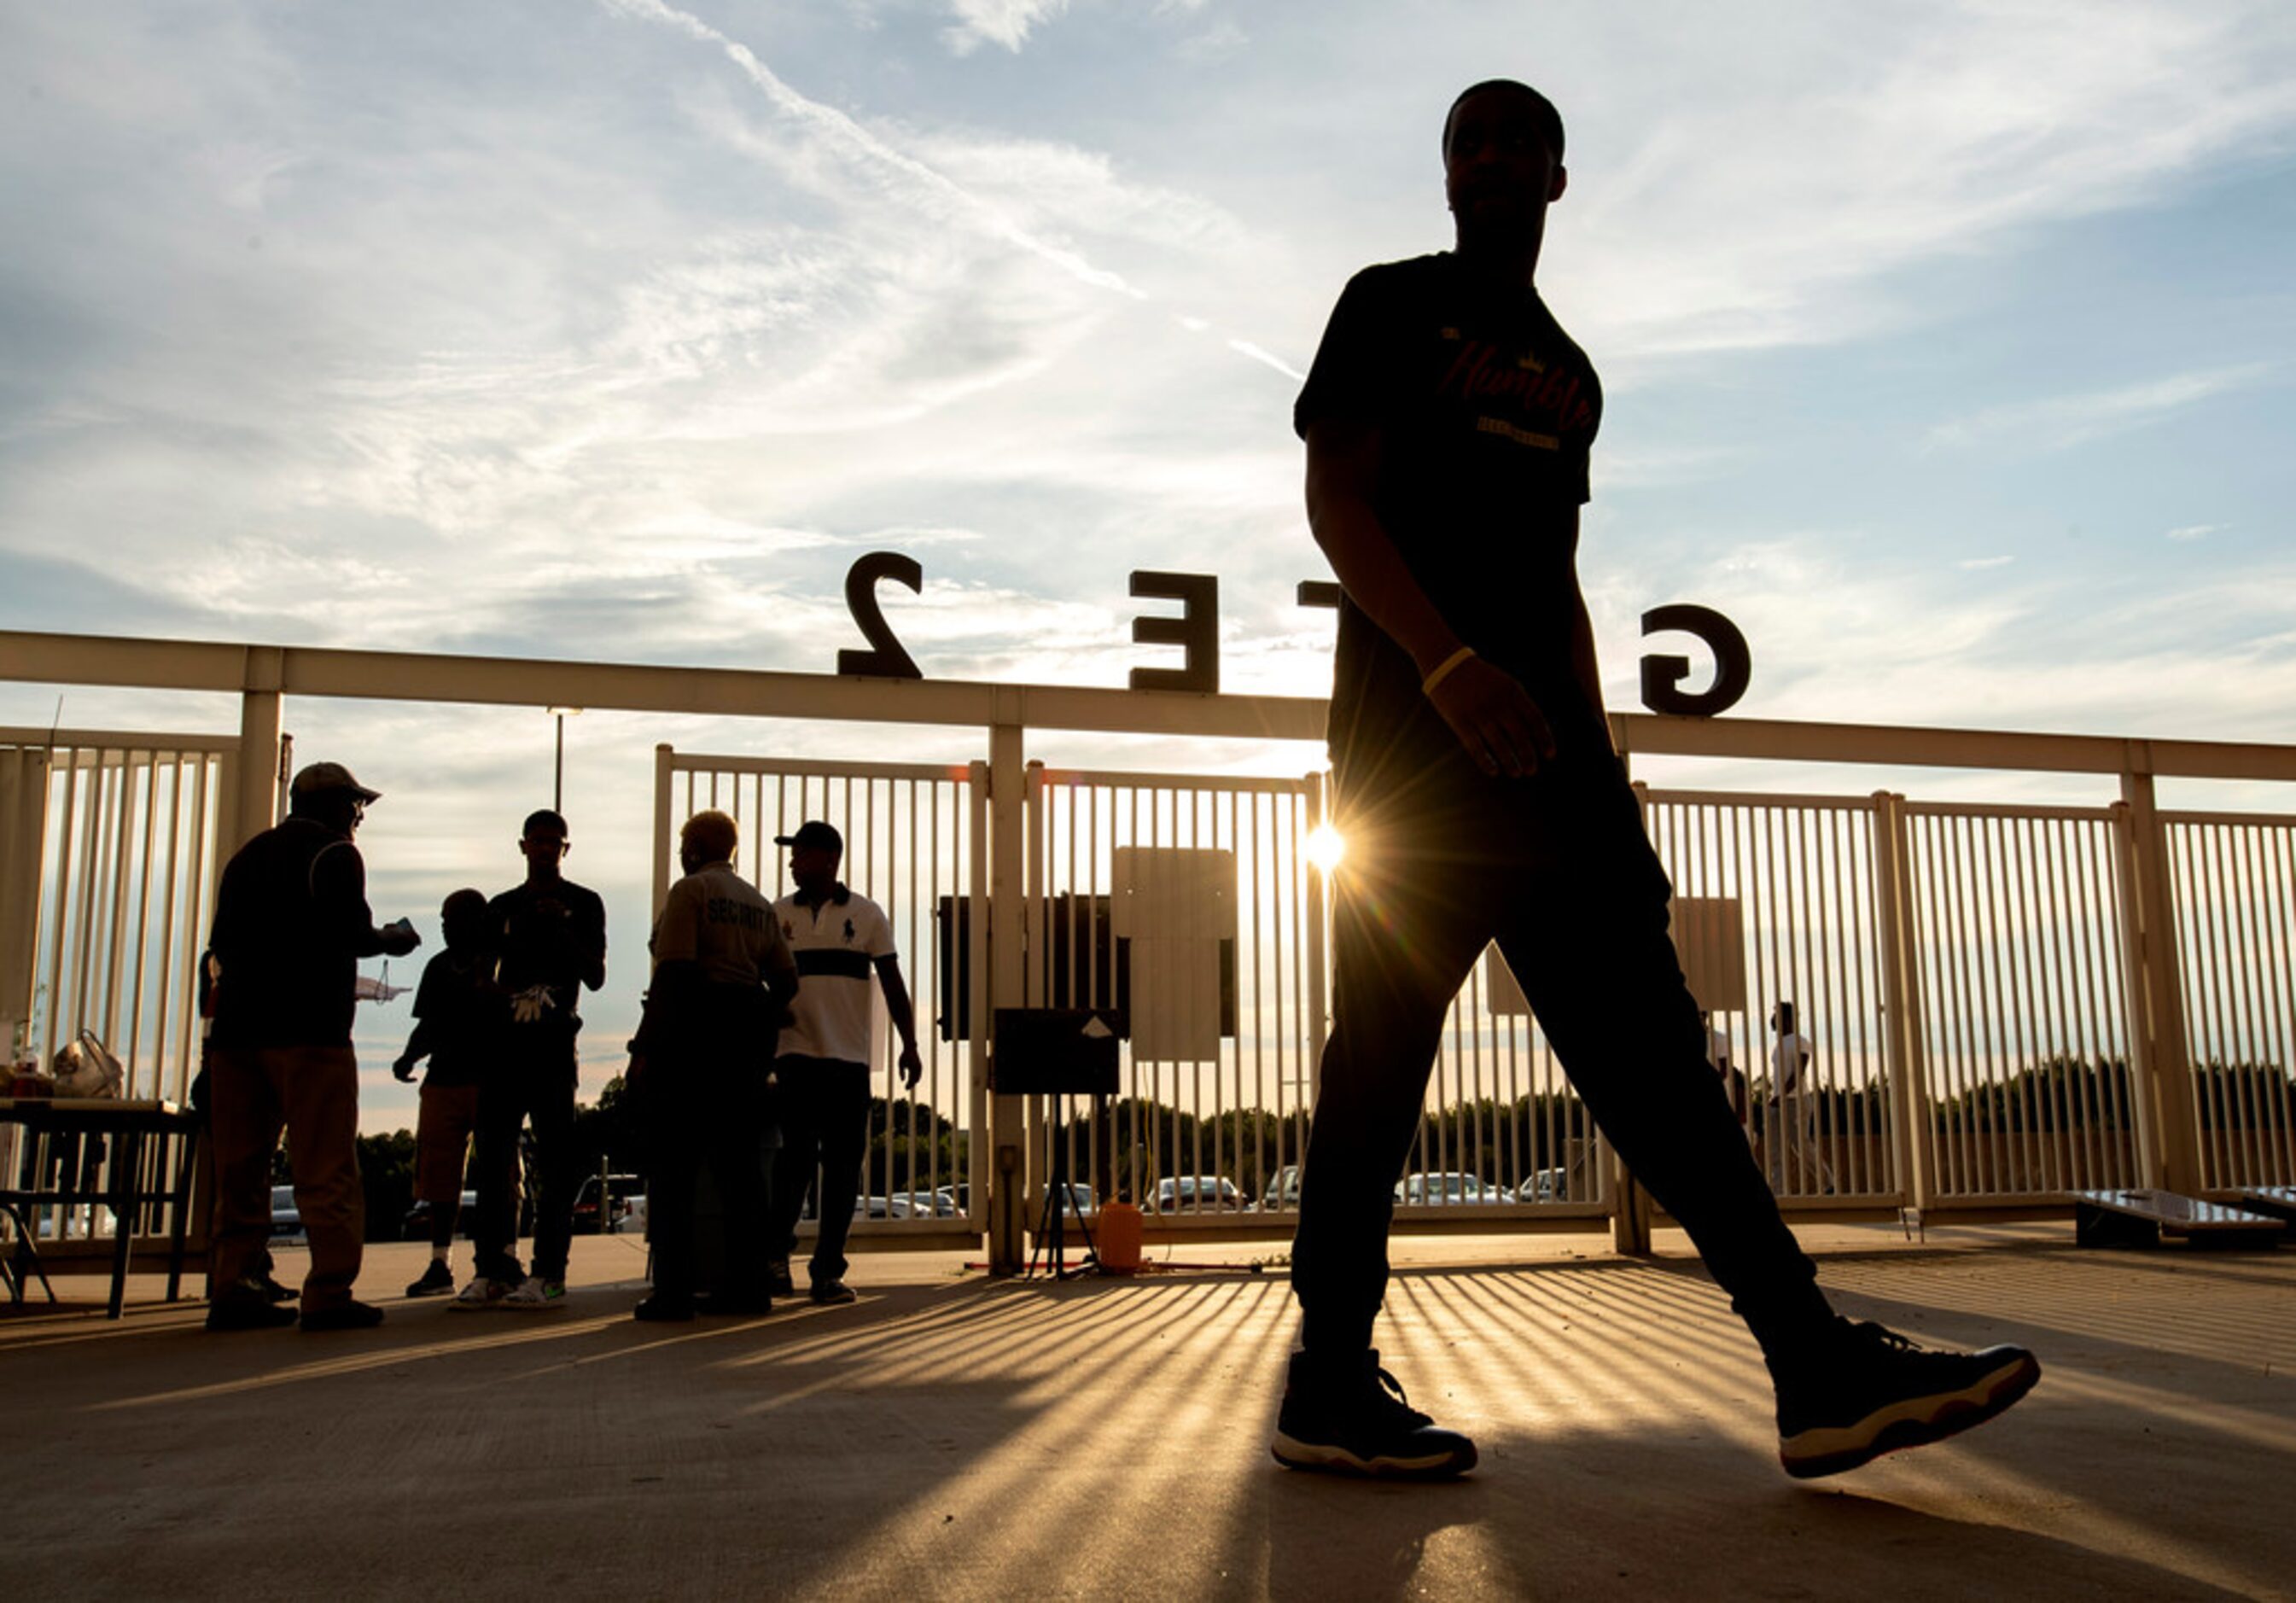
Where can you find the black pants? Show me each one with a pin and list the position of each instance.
(825, 1114)
(707, 1111)
(531, 1080)
(1557, 870)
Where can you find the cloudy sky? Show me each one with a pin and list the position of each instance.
(1947, 345)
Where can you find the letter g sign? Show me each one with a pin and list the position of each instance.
(1662, 676)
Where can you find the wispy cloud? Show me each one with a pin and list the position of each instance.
(2058, 422)
(1855, 144)
(2193, 531)
(1006, 22)
(1976, 563)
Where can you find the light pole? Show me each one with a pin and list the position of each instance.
(558, 768)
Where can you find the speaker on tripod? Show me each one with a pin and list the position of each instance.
(1058, 1052)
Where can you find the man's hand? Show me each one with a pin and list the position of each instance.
(403, 1070)
(398, 938)
(913, 1068)
(1494, 717)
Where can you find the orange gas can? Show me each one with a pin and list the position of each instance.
(1119, 1238)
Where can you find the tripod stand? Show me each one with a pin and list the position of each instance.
(1060, 1206)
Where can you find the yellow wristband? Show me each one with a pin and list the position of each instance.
(1443, 670)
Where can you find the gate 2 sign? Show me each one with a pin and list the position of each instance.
(1196, 632)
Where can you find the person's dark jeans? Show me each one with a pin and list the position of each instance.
(707, 1111)
(1558, 871)
(529, 1080)
(825, 1114)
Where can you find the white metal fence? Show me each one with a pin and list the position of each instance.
(2235, 896)
(2017, 921)
(2004, 941)
(120, 834)
(1799, 874)
(108, 865)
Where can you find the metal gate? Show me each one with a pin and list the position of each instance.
(2016, 921)
(2234, 892)
(1795, 879)
(912, 844)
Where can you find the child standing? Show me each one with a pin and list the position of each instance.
(458, 1019)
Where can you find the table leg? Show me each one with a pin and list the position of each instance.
(127, 1158)
(186, 1163)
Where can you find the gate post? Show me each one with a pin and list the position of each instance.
(256, 781)
(1630, 1205)
(665, 829)
(1007, 968)
(2160, 1064)
(1904, 1058)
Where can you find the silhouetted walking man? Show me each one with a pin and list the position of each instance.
(291, 925)
(1448, 420)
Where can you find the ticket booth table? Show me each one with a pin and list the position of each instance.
(132, 1157)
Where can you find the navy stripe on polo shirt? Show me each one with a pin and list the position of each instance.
(844, 964)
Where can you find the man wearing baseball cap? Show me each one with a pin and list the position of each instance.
(290, 924)
(821, 1068)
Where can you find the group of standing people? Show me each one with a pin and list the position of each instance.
(754, 1043)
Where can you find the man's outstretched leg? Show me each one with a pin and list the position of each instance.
(1591, 949)
(1400, 956)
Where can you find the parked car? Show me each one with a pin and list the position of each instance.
(1087, 1203)
(1198, 1193)
(632, 1219)
(416, 1226)
(1282, 1191)
(286, 1219)
(591, 1219)
(1547, 1185)
(1449, 1188)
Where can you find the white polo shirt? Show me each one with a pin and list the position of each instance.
(837, 947)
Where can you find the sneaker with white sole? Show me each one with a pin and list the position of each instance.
(1862, 1391)
(1350, 1418)
(435, 1281)
(535, 1294)
(480, 1295)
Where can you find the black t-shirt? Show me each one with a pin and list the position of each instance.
(464, 1013)
(1486, 411)
(548, 940)
(290, 924)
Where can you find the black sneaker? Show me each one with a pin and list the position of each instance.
(437, 1281)
(831, 1293)
(659, 1310)
(248, 1313)
(272, 1289)
(1864, 1390)
(353, 1315)
(778, 1278)
(1351, 1419)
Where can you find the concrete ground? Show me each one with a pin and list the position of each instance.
(949, 1436)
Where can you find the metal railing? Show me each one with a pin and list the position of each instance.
(2025, 999)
